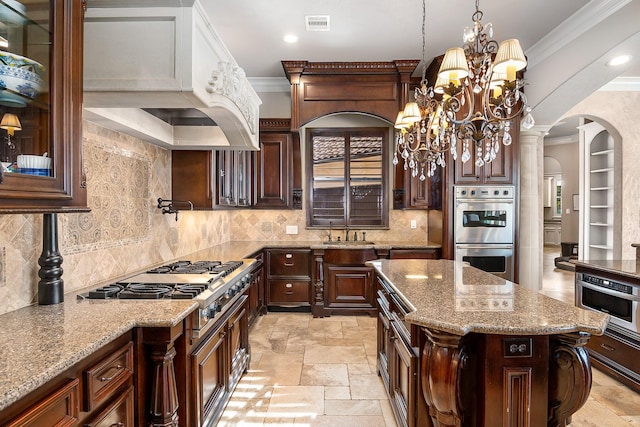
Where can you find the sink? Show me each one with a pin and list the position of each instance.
(349, 243)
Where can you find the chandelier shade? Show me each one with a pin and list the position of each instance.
(10, 123)
(454, 65)
(509, 59)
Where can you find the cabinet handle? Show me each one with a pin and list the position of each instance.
(288, 256)
(288, 285)
(607, 347)
(118, 368)
(118, 424)
(288, 292)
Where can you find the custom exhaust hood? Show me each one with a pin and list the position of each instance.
(157, 70)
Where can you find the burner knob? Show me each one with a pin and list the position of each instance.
(212, 310)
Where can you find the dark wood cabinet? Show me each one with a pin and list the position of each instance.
(415, 253)
(273, 170)
(255, 293)
(398, 360)
(412, 193)
(349, 287)
(217, 364)
(617, 355)
(233, 172)
(342, 283)
(288, 281)
(97, 391)
(52, 120)
(211, 179)
(502, 170)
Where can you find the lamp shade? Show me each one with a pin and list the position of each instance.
(411, 113)
(400, 124)
(509, 54)
(441, 83)
(10, 123)
(454, 64)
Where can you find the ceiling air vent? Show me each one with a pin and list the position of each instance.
(317, 22)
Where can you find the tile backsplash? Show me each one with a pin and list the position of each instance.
(125, 231)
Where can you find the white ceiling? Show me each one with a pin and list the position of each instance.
(372, 30)
(381, 30)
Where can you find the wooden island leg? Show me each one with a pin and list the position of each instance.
(443, 359)
(569, 377)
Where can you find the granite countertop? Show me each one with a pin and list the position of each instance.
(629, 268)
(40, 342)
(450, 297)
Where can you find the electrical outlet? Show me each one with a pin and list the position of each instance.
(292, 229)
(414, 224)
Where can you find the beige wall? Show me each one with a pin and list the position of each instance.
(567, 156)
(620, 110)
(126, 232)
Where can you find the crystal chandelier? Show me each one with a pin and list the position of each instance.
(419, 137)
(482, 94)
(480, 97)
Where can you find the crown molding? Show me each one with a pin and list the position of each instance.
(622, 84)
(573, 27)
(270, 84)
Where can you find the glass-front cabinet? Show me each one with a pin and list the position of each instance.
(41, 106)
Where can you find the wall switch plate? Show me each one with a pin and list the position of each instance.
(414, 224)
(292, 229)
(568, 211)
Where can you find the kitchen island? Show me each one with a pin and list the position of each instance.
(487, 351)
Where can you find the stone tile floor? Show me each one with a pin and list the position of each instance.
(321, 372)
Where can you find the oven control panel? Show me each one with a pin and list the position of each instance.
(606, 283)
(485, 192)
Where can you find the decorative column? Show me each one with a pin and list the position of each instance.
(531, 212)
(51, 285)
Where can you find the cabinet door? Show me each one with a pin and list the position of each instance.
(119, 413)
(273, 171)
(238, 343)
(191, 177)
(402, 377)
(243, 168)
(498, 171)
(59, 409)
(289, 263)
(349, 287)
(210, 373)
(226, 178)
(46, 37)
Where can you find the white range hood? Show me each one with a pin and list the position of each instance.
(160, 72)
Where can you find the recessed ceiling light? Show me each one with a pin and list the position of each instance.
(290, 38)
(619, 60)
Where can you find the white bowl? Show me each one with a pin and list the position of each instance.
(26, 161)
(20, 79)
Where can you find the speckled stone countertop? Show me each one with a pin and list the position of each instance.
(449, 297)
(38, 343)
(629, 268)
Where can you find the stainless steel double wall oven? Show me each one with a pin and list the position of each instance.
(484, 228)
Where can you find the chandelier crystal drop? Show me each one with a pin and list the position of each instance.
(475, 100)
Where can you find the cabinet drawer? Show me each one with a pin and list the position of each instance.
(60, 409)
(625, 354)
(295, 262)
(118, 413)
(104, 378)
(289, 292)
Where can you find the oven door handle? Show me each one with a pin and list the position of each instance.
(607, 291)
(483, 201)
(484, 246)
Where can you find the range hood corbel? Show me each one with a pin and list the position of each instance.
(178, 63)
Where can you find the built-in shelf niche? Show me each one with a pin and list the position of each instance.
(600, 222)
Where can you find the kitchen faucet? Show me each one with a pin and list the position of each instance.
(330, 227)
(346, 234)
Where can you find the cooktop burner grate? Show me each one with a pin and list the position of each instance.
(187, 267)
